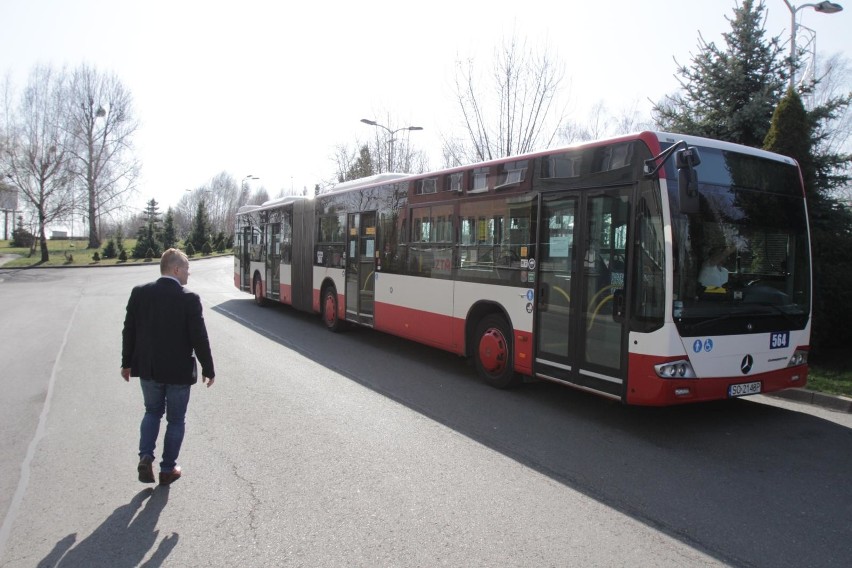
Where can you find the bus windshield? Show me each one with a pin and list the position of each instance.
(742, 263)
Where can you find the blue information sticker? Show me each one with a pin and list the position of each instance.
(697, 346)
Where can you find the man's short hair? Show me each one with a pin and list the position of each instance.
(171, 259)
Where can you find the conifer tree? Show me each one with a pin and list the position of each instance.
(147, 238)
(792, 133)
(200, 231)
(731, 93)
(168, 236)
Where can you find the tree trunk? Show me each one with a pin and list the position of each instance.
(94, 238)
(45, 256)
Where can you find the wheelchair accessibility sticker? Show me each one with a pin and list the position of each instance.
(706, 345)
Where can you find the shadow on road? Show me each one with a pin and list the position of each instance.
(748, 483)
(122, 540)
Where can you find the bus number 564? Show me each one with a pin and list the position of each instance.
(779, 339)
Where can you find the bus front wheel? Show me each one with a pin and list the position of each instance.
(493, 353)
(329, 310)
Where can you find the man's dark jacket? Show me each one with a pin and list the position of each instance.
(162, 328)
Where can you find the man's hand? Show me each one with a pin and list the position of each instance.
(208, 382)
(125, 373)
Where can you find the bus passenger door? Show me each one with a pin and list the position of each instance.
(360, 267)
(273, 261)
(602, 322)
(580, 306)
(245, 260)
(557, 276)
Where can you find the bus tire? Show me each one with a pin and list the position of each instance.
(257, 288)
(492, 352)
(329, 310)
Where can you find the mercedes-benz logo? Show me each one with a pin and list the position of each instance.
(746, 365)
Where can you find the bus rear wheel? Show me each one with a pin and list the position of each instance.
(258, 292)
(493, 353)
(329, 310)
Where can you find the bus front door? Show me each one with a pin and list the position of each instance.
(579, 313)
(360, 267)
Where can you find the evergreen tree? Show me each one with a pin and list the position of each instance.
(148, 235)
(168, 236)
(362, 166)
(730, 94)
(152, 212)
(200, 230)
(110, 250)
(790, 134)
(146, 239)
(795, 133)
(119, 238)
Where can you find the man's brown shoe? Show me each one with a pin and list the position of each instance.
(169, 477)
(146, 469)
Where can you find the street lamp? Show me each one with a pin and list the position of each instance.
(391, 136)
(822, 7)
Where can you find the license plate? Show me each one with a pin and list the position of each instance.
(744, 389)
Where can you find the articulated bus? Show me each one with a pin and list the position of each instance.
(654, 269)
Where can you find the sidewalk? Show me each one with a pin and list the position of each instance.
(829, 401)
(4, 258)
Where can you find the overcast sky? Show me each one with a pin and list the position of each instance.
(271, 88)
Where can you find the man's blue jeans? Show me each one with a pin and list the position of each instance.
(172, 401)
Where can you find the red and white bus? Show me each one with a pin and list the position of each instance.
(654, 269)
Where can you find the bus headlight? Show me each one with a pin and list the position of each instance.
(800, 357)
(675, 370)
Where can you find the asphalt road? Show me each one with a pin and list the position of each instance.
(360, 449)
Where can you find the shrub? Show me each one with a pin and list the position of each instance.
(22, 238)
(206, 250)
(110, 250)
(122, 256)
(97, 257)
(190, 250)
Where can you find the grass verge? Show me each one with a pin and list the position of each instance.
(67, 253)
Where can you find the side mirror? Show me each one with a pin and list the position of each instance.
(687, 179)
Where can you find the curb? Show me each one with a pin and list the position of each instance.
(829, 401)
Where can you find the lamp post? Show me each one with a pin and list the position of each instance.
(391, 137)
(822, 7)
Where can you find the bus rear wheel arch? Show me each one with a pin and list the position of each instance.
(493, 352)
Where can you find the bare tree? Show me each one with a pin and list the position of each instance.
(222, 200)
(834, 82)
(600, 123)
(34, 152)
(390, 150)
(520, 118)
(101, 121)
(258, 197)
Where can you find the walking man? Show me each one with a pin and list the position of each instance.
(162, 328)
